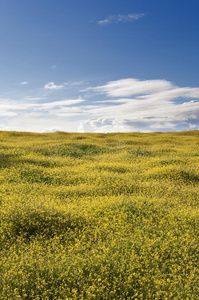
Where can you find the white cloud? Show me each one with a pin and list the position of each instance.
(120, 19)
(7, 108)
(148, 105)
(24, 82)
(34, 98)
(62, 103)
(3, 127)
(11, 108)
(51, 129)
(123, 105)
(130, 86)
(73, 83)
(53, 86)
(102, 125)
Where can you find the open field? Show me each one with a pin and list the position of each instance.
(99, 216)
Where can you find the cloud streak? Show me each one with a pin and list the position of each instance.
(130, 87)
(12, 108)
(53, 86)
(120, 19)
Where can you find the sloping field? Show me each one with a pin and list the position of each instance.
(99, 216)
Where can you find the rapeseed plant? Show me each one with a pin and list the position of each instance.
(99, 216)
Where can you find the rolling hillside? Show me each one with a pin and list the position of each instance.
(99, 216)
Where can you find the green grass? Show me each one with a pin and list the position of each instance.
(99, 216)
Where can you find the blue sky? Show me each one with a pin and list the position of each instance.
(99, 66)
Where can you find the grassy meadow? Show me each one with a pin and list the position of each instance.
(99, 216)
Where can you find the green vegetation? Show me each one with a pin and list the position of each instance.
(99, 216)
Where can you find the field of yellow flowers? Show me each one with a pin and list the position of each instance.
(99, 216)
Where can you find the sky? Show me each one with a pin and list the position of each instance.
(99, 66)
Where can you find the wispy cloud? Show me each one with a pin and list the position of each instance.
(24, 83)
(33, 98)
(130, 86)
(70, 84)
(143, 105)
(120, 19)
(58, 104)
(53, 86)
(75, 83)
(11, 108)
